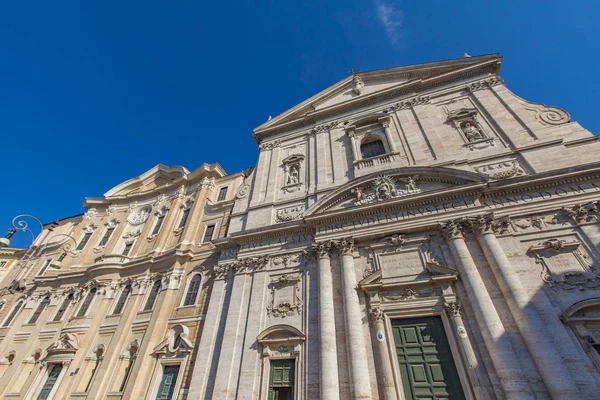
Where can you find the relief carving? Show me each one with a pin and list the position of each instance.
(384, 187)
(564, 265)
(285, 300)
(501, 170)
(289, 213)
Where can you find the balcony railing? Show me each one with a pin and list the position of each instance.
(376, 161)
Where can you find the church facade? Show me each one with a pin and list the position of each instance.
(410, 233)
(417, 232)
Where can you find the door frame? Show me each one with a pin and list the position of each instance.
(422, 308)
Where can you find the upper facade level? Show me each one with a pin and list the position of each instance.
(418, 128)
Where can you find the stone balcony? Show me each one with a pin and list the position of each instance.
(372, 164)
(112, 259)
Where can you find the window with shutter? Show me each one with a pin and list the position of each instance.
(193, 289)
(152, 296)
(86, 303)
(167, 382)
(122, 300)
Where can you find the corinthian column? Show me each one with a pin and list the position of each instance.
(386, 373)
(555, 375)
(355, 338)
(328, 352)
(494, 335)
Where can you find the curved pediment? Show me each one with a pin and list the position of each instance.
(392, 185)
(156, 177)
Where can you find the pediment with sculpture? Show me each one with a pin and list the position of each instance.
(400, 183)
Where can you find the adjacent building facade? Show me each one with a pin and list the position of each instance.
(410, 233)
(110, 304)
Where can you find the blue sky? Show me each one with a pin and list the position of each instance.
(94, 93)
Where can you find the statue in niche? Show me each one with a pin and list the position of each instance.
(472, 132)
(294, 176)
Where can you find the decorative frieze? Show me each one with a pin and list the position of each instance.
(289, 213)
(409, 103)
(582, 213)
(325, 127)
(500, 170)
(242, 265)
(485, 83)
(269, 145)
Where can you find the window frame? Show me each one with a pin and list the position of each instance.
(12, 315)
(222, 194)
(367, 140)
(148, 297)
(187, 289)
(124, 299)
(83, 242)
(91, 296)
(67, 300)
(39, 310)
(206, 226)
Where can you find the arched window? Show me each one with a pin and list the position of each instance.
(39, 310)
(86, 303)
(122, 300)
(371, 146)
(193, 289)
(152, 296)
(13, 313)
(63, 308)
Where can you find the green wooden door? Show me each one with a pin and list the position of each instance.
(53, 373)
(426, 365)
(167, 382)
(281, 380)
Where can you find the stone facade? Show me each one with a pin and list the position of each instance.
(429, 195)
(111, 300)
(9, 258)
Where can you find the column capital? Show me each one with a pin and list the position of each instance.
(321, 249)
(345, 246)
(453, 308)
(482, 224)
(451, 229)
(377, 314)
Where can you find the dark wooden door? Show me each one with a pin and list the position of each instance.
(427, 368)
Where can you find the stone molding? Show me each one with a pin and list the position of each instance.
(485, 83)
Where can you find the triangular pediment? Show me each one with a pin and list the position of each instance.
(368, 85)
(393, 185)
(156, 177)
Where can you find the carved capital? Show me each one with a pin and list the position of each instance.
(323, 249)
(482, 224)
(582, 213)
(453, 308)
(377, 314)
(269, 145)
(345, 246)
(451, 230)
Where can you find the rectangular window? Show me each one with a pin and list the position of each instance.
(222, 194)
(39, 310)
(84, 241)
(208, 234)
(158, 224)
(44, 268)
(167, 382)
(184, 218)
(127, 249)
(86, 303)
(106, 236)
(63, 308)
(13, 314)
(281, 380)
(122, 300)
(3, 263)
(53, 374)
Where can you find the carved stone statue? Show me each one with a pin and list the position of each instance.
(359, 194)
(294, 176)
(411, 185)
(471, 132)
